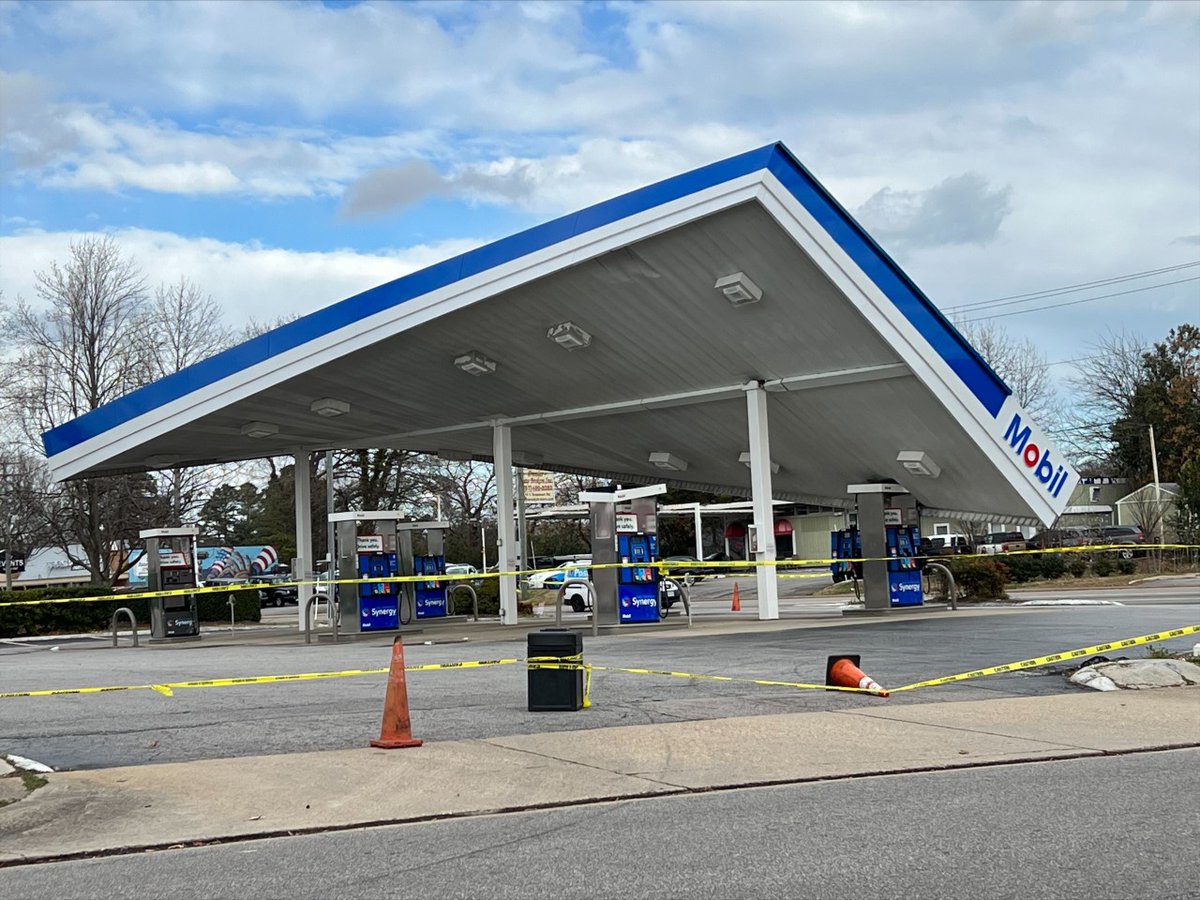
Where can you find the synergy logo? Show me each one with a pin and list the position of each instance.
(1034, 457)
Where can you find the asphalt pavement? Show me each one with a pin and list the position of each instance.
(1113, 827)
(1016, 784)
(144, 727)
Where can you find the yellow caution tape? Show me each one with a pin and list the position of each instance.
(566, 663)
(664, 567)
(167, 689)
(1053, 658)
(576, 663)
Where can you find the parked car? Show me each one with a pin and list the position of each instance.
(944, 545)
(1128, 536)
(670, 593)
(553, 579)
(1068, 536)
(684, 566)
(1002, 542)
(275, 591)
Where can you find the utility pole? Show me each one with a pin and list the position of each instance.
(1162, 534)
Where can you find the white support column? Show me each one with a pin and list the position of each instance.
(699, 533)
(506, 539)
(761, 496)
(304, 552)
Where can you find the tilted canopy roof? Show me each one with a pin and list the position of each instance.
(859, 364)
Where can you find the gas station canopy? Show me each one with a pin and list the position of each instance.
(619, 341)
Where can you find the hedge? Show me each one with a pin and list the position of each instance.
(96, 615)
(1033, 567)
(488, 592)
(979, 579)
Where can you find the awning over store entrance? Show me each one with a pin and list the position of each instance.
(620, 341)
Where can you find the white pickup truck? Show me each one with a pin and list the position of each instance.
(1002, 542)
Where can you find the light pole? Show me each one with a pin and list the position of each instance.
(329, 510)
(5, 475)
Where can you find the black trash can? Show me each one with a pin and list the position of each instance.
(555, 690)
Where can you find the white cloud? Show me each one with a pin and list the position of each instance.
(247, 281)
(1078, 121)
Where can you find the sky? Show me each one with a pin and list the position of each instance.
(285, 155)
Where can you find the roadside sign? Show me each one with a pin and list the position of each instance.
(539, 486)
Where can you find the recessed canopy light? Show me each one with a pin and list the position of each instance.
(163, 460)
(917, 462)
(329, 407)
(569, 336)
(668, 461)
(259, 429)
(475, 363)
(739, 289)
(744, 457)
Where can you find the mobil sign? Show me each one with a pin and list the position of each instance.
(1040, 463)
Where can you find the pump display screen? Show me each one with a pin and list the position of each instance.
(176, 577)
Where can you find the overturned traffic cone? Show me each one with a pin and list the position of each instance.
(843, 671)
(397, 729)
(737, 600)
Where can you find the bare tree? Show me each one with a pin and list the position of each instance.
(1022, 366)
(84, 345)
(187, 329)
(1104, 383)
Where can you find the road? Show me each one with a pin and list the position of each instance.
(137, 727)
(1112, 827)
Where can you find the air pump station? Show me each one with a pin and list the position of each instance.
(379, 544)
(171, 566)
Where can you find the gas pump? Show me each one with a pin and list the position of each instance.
(903, 544)
(625, 532)
(904, 569)
(430, 598)
(171, 566)
(379, 544)
(845, 544)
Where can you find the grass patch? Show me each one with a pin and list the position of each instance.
(1163, 653)
(33, 781)
(836, 590)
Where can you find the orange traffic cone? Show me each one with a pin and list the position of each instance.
(397, 729)
(737, 600)
(843, 671)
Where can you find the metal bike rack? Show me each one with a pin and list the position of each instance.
(308, 617)
(132, 624)
(587, 585)
(949, 579)
(474, 598)
(684, 592)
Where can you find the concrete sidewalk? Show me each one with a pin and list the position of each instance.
(180, 803)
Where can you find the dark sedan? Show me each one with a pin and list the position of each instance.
(275, 591)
